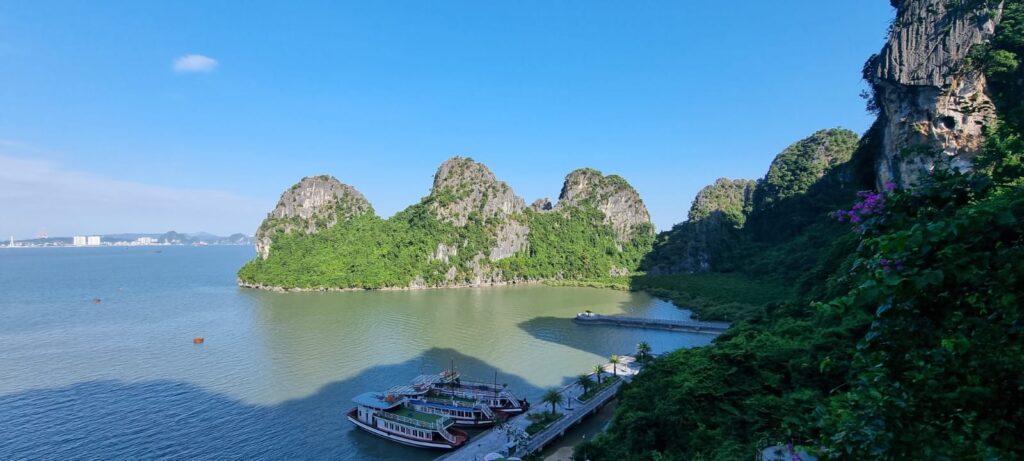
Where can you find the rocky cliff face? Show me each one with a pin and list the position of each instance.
(463, 187)
(466, 190)
(313, 204)
(621, 204)
(934, 108)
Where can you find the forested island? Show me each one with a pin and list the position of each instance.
(874, 283)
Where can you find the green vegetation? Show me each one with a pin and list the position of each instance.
(714, 296)
(903, 338)
(732, 198)
(598, 372)
(540, 421)
(362, 252)
(574, 244)
(368, 252)
(417, 415)
(784, 213)
(597, 389)
(643, 352)
(552, 397)
(585, 383)
(802, 164)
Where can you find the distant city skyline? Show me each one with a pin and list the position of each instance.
(178, 122)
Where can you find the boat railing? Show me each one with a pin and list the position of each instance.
(447, 435)
(485, 410)
(437, 425)
(472, 393)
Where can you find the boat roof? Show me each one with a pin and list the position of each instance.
(378, 400)
(426, 380)
(407, 390)
(438, 404)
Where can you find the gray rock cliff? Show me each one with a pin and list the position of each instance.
(313, 204)
(463, 187)
(934, 108)
(621, 204)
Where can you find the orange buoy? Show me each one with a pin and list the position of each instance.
(197, 340)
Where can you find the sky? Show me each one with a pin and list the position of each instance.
(128, 116)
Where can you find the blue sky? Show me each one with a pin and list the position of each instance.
(102, 131)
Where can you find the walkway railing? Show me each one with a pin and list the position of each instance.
(548, 434)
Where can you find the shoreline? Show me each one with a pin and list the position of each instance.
(550, 282)
(277, 289)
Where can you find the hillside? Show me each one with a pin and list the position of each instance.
(904, 339)
(470, 230)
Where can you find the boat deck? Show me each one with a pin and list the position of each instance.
(417, 415)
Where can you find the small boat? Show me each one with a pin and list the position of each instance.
(392, 417)
(465, 412)
(498, 397)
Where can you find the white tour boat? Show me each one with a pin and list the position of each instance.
(498, 397)
(392, 417)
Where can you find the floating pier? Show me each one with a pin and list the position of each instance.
(689, 326)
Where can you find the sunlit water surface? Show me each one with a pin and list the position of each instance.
(122, 379)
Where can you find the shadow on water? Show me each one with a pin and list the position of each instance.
(170, 419)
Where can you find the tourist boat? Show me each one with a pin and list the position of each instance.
(392, 417)
(466, 412)
(498, 397)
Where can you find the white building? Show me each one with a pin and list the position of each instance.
(145, 241)
(79, 241)
(92, 240)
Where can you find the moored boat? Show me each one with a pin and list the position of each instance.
(465, 412)
(498, 397)
(392, 417)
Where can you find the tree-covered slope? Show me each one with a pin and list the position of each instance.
(906, 340)
(470, 230)
(731, 220)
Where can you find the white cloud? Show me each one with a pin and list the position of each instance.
(194, 63)
(39, 194)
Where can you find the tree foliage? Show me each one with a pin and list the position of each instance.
(906, 341)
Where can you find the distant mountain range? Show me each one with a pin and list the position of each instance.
(170, 237)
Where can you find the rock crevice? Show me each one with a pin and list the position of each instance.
(934, 108)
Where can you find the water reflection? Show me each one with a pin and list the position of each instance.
(122, 379)
(116, 419)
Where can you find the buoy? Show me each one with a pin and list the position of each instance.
(197, 340)
(96, 300)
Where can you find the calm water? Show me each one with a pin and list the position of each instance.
(122, 379)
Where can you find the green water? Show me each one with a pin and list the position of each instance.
(122, 379)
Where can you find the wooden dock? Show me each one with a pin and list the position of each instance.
(689, 326)
(495, 441)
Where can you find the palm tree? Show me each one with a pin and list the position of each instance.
(615, 361)
(598, 369)
(643, 351)
(584, 382)
(553, 397)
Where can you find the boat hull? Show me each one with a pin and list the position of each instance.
(474, 422)
(403, 440)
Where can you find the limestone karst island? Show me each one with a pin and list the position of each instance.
(484, 231)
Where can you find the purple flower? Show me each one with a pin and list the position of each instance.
(890, 186)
